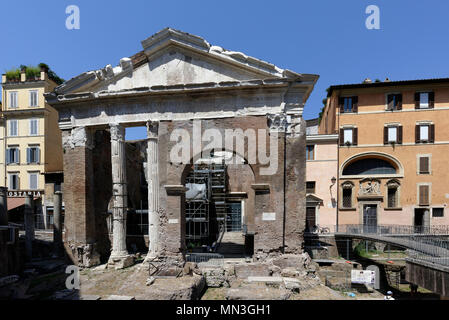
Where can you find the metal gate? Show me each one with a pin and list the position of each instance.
(234, 217)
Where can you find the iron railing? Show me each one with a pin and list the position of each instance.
(432, 250)
(393, 230)
(206, 259)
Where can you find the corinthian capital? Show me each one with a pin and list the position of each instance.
(152, 129)
(117, 132)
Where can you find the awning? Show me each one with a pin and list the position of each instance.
(14, 203)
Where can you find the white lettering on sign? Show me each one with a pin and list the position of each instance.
(269, 216)
(172, 221)
(21, 194)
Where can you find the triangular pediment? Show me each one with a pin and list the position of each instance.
(172, 57)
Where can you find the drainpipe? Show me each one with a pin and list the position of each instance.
(338, 168)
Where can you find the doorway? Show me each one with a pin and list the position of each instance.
(234, 217)
(310, 219)
(370, 218)
(419, 220)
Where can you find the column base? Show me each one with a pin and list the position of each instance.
(120, 261)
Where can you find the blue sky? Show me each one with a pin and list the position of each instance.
(324, 37)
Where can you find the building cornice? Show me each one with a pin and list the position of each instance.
(322, 138)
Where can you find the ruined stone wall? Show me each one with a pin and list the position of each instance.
(79, 224)
(269, 237)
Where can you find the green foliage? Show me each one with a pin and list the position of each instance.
(32, 72)
(324, 101)
(13, 74)
(51, 74)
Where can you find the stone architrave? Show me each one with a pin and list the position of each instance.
(153, 189)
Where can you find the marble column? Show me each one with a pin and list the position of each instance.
(153, 189)
(29, 226)
(120, 194)
(3, 206)
(57, 224)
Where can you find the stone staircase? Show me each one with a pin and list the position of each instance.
(233, 243)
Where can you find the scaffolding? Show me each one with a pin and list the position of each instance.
(206, 209)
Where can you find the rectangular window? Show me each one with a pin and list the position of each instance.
(394, 102)
(424, 165)
(392, 197)
(424, 133)
(13, 126)
(347, 198)
(12, 99)
(424, 195)
(438, 212)
(348, 135)
(33, 180)
(392, 134)
(33, 154)
(424, 100)
(310, 187)
(347, 104)
(13, 181)
(33, 127)
(310, 152)
(34, 98)
(12, 155)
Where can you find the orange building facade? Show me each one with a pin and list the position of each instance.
(393, 152)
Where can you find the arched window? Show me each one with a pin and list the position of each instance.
(369, 166)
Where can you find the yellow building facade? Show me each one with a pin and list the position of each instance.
(393, 152)
(30, 140)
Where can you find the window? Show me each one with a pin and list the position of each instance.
(34, 98)
(33, 127)
(392, 197)
(348, 104)
(346, 194)
(425, 133)
(348, 136)
(33, 180)
(13, 181)
(33, 154)
(310, 152)
(13, 126)
(12, 101)
(424, 195)
(424, 100)
(438, 212)
(57, 186)
(12, 155)
(394, 102)
(347, 198)
(424, 165)
(393, 134)
(310, 187)
(369, 166)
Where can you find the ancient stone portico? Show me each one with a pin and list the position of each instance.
(181, 83)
